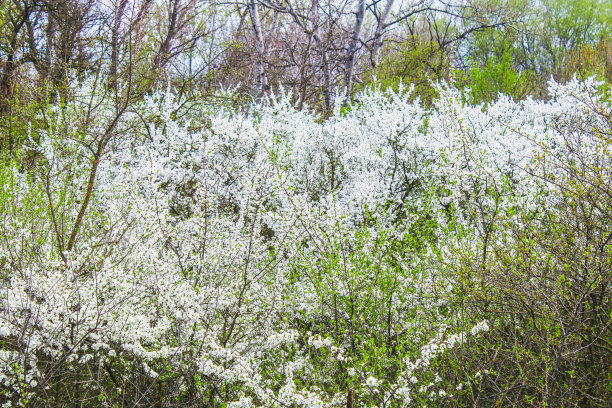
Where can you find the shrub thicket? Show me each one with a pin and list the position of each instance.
(180, 255)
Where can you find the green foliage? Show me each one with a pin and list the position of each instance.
(360, 281)
(413, 62)
(496, 76)
(576, 22)
(20, 123)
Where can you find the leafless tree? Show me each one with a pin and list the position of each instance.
(315, 47)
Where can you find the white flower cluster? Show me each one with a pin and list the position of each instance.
(317, 342)
(225, 248)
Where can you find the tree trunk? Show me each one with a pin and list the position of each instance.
(164, 49)
(352, 48)
(326, 91)
(379, 33)
(260, 76)
(115, 46)
(327, 100)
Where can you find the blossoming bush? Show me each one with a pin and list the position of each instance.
(170, 254)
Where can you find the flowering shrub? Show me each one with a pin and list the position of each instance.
(168, 254)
